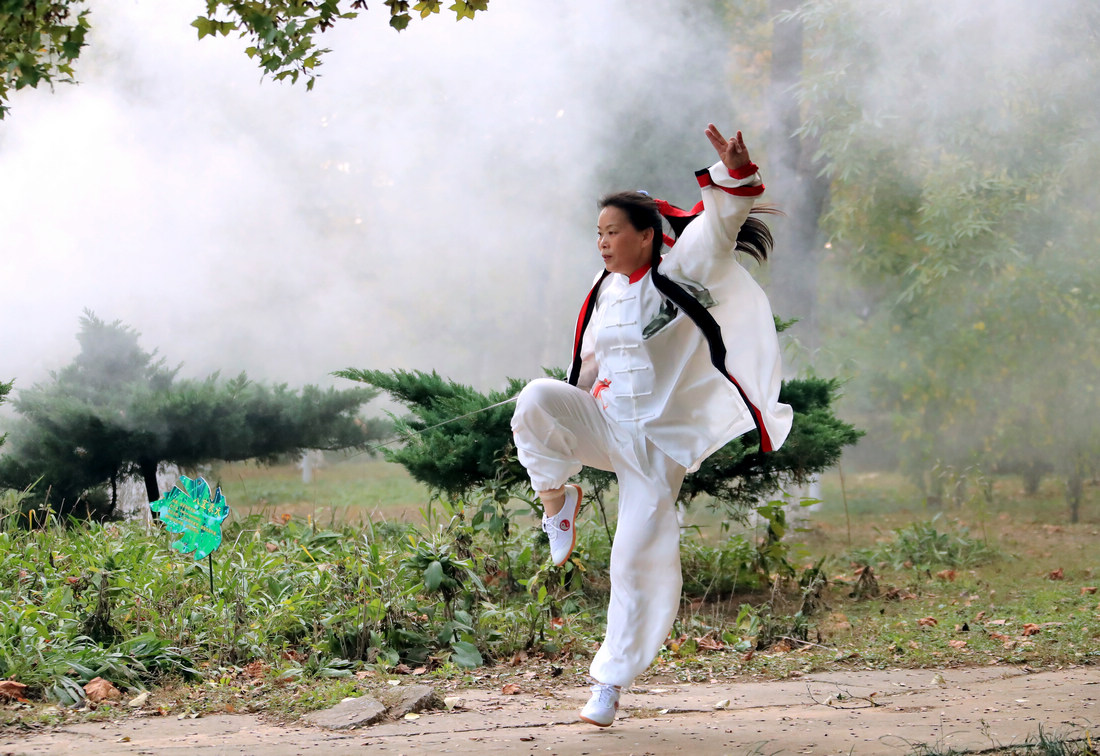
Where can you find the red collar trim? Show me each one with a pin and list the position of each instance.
(637, 275)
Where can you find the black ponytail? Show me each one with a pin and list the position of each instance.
(755, 238)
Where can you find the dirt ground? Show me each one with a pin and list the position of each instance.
(867, 712)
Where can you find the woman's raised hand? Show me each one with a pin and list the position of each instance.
(732, 152)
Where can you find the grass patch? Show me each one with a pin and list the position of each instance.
(334, 588)
(1043, 743)
(353, 491)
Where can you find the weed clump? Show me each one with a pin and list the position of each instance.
(923, 546)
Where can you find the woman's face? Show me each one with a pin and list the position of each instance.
(624, 248)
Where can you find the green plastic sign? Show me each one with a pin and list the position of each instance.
(189, 509)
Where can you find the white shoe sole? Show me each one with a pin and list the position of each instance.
(573, 526)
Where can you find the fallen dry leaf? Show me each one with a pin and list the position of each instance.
(511, 689)
(928, 622)
(420, 670)
(948, 575)
(1057, 574)
(838, 622)
(673, 644)
(255, 669)
(748, 656)
(781, 647)
(1086, 589)
(10, 690)
(1030, 629)
(957, 643)
(402, 669)
(1000, 637)
(99, 689)
(710, 643)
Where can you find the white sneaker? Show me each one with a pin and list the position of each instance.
(561, 529)
(602, 706)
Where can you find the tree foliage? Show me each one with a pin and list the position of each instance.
(739, 476)
(457, 441)
(451, 456)
(282, 33)
(962, 209)
(956, 290)
(117, 411)
(40, 41)
(5, 388)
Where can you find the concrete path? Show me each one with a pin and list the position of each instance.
(868, 712)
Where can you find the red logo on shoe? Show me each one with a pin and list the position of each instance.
(564, 525)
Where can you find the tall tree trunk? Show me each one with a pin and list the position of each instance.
(794, 182)
(935, 497)
(148, 469)
(1033, 477)
(1075, 485)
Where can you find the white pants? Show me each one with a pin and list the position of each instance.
(559, 428)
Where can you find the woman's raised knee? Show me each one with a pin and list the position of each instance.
(540, 395)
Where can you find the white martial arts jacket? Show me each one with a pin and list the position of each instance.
(649, 363)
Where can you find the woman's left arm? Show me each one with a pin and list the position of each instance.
(729, 188)
(732, 152)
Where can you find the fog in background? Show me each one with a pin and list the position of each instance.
(430, 205)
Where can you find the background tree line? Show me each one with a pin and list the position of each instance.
(117, 411)
(957, 283)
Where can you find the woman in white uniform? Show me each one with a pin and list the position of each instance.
(674, 357)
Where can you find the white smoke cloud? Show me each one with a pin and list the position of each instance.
(429, 205)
